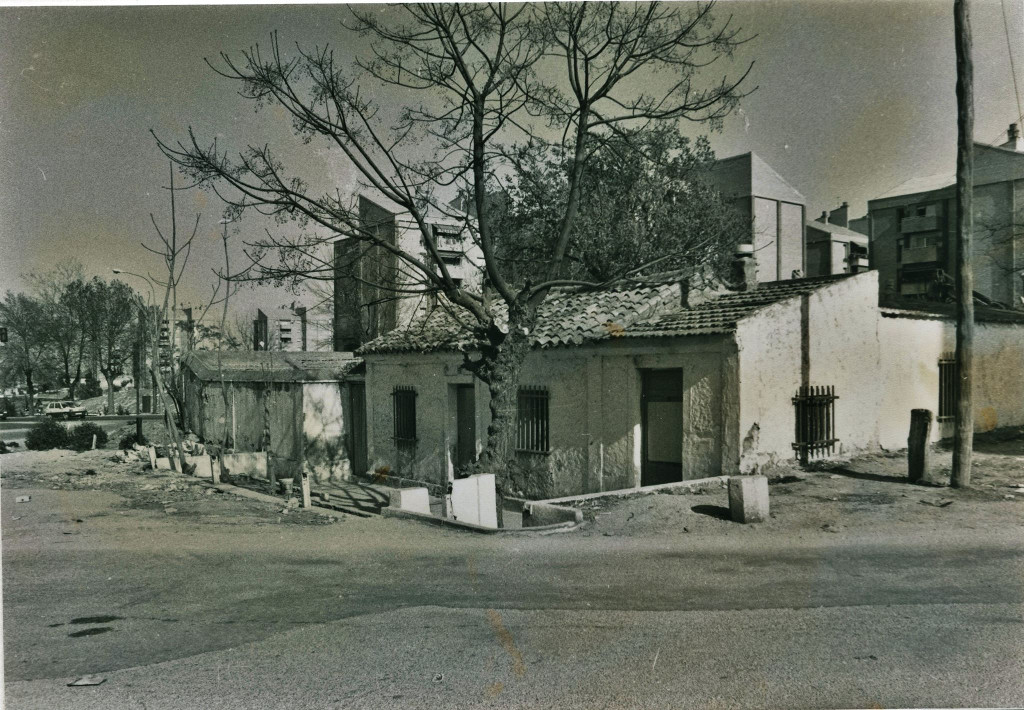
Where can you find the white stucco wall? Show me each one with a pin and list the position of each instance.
(843, 351)
(594, 411)
(323, 430)
(909, 375)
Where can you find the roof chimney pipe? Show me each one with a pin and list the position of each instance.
(1014, 141)
(744, 268)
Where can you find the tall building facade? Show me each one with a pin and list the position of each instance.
(913, 230)
(374, 291)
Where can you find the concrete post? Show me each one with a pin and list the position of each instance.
(306, 502)
(919, 455)
(748, 499)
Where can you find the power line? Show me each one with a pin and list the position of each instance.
(1009, 50)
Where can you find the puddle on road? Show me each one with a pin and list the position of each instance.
(95, 619)
(91, 632)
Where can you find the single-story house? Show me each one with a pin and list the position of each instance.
(294, 405)
(643, 385)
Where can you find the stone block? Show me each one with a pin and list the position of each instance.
(473, 500)
(415, 500)
(748, 499)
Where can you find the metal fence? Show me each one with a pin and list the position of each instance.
(815, 422)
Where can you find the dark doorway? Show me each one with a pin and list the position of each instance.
(661, 411)
(465, 427)
(357, 426)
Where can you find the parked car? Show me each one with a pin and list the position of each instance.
(65, 410)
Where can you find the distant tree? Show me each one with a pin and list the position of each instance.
(25, 353)
(64, 307)
(111, 327)
(493, 79)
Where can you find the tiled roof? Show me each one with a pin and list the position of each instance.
(576, 318)
(721, 314)
(837, 230)
(271, 366)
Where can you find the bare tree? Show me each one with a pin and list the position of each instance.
(493, 78)
(174, 252)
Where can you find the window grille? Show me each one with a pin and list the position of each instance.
(815, 421)
(404, 399)
(532, 427)
(947, 388)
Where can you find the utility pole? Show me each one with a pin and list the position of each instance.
(963, 434)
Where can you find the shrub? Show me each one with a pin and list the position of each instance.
(47, 434)
(80, 438)
(129, 440)
(89, 387)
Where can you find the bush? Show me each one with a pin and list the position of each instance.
(129, 440)
(89, 387)
(47, 434)
(80, 438)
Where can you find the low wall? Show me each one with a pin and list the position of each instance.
(253, 464)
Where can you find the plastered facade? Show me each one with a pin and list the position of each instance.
(594, 412)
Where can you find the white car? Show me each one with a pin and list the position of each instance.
(65, 410)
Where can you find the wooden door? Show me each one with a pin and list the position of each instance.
(661, 426)
(357, 426)
(465, 426)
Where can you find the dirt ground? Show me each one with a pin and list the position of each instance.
(165, 493)
(865, 493)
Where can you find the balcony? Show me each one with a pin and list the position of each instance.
(920, 255)
(919, 224)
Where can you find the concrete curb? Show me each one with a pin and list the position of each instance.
(255, 495)
(622, 492)
(469, 527)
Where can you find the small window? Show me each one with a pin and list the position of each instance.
(405, 413)
(947, 388)
(532, 428)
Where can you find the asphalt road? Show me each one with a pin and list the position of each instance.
(386, 613)
(17, 428)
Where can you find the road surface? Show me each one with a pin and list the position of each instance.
(16, 429)
(382, 613)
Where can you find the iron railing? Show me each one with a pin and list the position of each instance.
(815, 422)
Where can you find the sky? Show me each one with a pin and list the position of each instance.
(852, 98)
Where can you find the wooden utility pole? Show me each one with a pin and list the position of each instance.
(963, 434)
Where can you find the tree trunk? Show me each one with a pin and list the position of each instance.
(31, 390)
(500, 371)
(108, 376)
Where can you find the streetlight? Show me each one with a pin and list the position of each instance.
(150, 300)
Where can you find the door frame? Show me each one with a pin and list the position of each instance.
(647, 475)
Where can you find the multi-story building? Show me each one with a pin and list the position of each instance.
(913, 229)
(777, 211)
(374, 291)
(833, 247)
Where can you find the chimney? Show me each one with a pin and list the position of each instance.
(1014, 141)
(840, 216)
(823, 218)
(744, 268)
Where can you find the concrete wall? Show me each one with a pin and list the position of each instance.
(766, 239)
(791, 239)
(594, 412)
(909, 375)
(324, 432)
(836, 328)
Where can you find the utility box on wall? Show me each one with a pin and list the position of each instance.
(474, 500)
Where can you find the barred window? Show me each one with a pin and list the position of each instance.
(404, 399)
(947, 388)
(532, 428)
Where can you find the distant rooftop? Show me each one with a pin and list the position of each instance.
(837, 230)
(271, 366)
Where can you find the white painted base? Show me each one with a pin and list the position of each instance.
(474, 500)
(415, 500)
